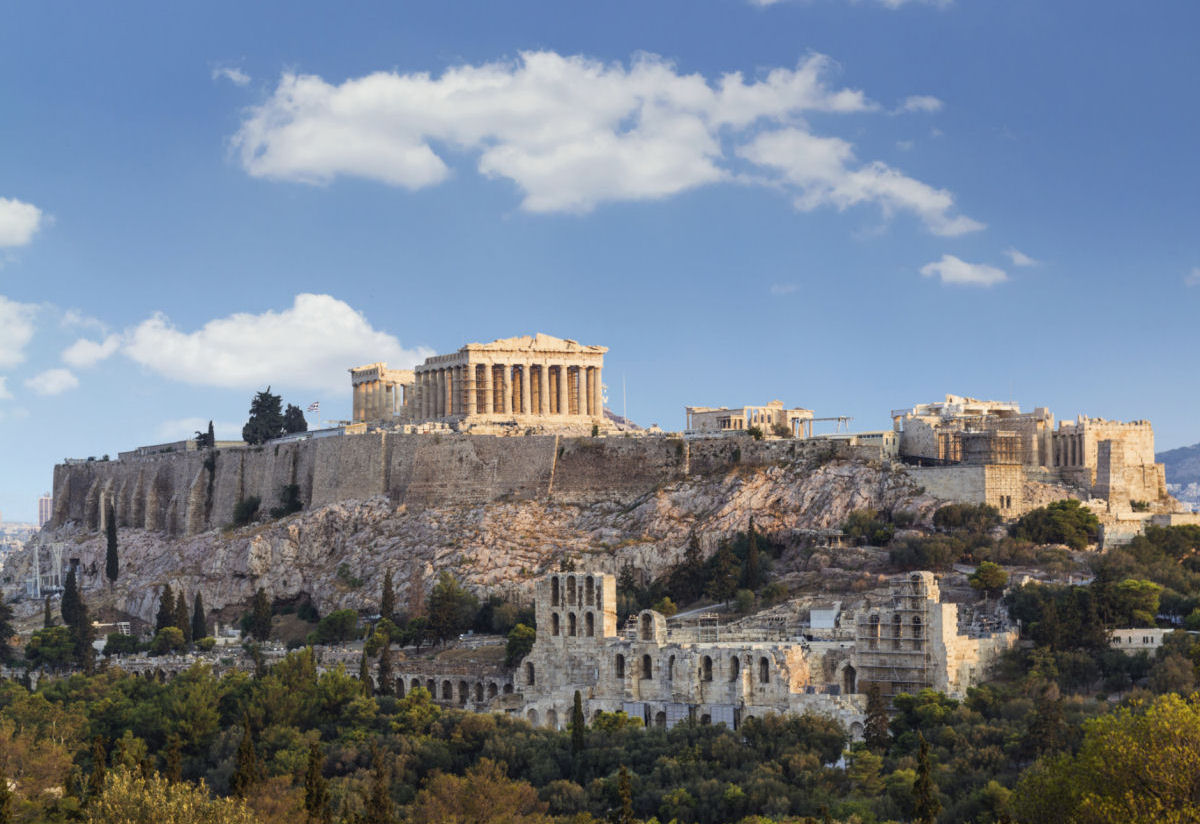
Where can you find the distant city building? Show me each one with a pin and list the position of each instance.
(45, 509)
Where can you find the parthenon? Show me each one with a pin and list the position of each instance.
(531, 379)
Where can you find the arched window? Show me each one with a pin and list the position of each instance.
(447, 691)
(431, 685)
(735, 668)
(619, 666)
(554, 591)
(873, 632)
(706, 669)
(660, 719)
(896, 631)
(399, 687)
(492, 691)
(532, 715)
(671, 668)
(647, 627)
(479, 691)
(589, 623)
(571, 593)
(647, 667)
(764, 671)
(571, 627)
(464, 692)
(849, 680)
(917, 627)
(589, 590)
(554, 623)
(529, 674)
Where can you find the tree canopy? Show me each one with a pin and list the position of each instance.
(266, 418)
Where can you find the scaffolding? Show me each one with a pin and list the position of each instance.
(893, 643)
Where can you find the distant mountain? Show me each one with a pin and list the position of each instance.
(1183, 473)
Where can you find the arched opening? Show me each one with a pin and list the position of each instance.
(416, 683)
(917, 627)
(849, 680)
(647, 627)
(431, 685)
(671, 668)
(705, 720)
(399, 687)
(764, 671)
(479, 692)
(896, 630)
(464, 692)
(735, 668)
(532, 715)
(619, 666)
(529, 674)
(589, 623)
(554, 623)
(508, 689)
(571, 627)
(492, 690)
(647, 667)
(660, 719)
(571, 592)
(873, 632)
(552, 719)
(554, 591)
(447, 691)
(589, 591)
(706, 669)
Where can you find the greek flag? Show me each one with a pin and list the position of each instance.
(315, 406)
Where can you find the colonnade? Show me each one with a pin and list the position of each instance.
(526, 389)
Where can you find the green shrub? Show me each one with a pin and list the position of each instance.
(337, 627)
(1062, 522)
(289, 501)
(118, 644)
(168, 639)
(245, 510)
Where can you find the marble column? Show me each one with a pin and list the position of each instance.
(506, 372)
(543, 390)
(469, 389)
(599, 393)
(563, 406)
(581, 389)
(449, 402)
(526, 394)
(489, 393)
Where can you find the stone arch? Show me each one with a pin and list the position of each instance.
(619, 666)
(918, 628)
(671, 668)
(764, 670)
(660, 719)
(554, 591)
(856, 731)
(447, 691)
(849, 680)
(735, 667)
(479, 692)
(416, 684)
(492, 689)
(554, 628)
(647, 627)
(508, 689)
(572, 625)
(706, 668)
(589, 624)
(431, 685)
(572, 592)
(529, 674)
(552, 719)
(647, 667)
(464, 692)
(589, 591)
(897, 623)
(399, 687)
(873, 631)
(705, 720)
(532, 715)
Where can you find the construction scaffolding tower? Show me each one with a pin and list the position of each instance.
(892, 644)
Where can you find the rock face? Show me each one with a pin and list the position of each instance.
(337, 553)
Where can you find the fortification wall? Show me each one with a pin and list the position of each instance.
(189, 492)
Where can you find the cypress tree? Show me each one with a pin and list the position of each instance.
(111, 565)
(199, 625)
(260, 616)
(724, 581)
(165, 617)
(379, 808)
(926, 804)
(385, 666)
(751, 572)
(181, 619)
(387, 602)
(246, 774)
(212, 436)
(578, 725)
(70, 599)
(316, 788)
(96, 779)
(83, 634)
(364, 674)
(174, 758)
(875, 728)
(625, 792)
(47, 616)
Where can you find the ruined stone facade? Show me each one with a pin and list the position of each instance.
(531, 379)
(708, 420)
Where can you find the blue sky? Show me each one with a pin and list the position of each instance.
(849, 206)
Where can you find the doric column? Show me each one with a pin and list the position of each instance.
(469, 388)
(599, 393)
(543, 390)
(419, 396)
(506, 373)
(489, 393)
(563, 406)
(439, 392)
(526, 395)
(450, 390)
(581, 389)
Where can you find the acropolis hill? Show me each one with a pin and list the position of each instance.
(496, 461)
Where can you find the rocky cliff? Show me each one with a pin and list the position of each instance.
(336, 552)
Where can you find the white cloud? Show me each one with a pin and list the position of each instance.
(1192, 278)
(954, 270)
(920, 103)
(783, 288)
(84, 353)
(231, 73)
(1019, 258)
(16, 330)
(73, 318)
(18, 222)
(569, 131)
(4, 393)
(310, 345)
(52, 382)
(824, 171)
(183, 428)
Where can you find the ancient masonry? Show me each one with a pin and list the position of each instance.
(710, 674)
(536, 379)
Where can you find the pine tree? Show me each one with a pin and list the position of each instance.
(724, 581)
(99, 759)
(379, 809)
(166, 609)
(199, 624)
(625, 792)
(260, 616)
(387, 602)
(5, 798)
(875, 729)
(246, 774)
(70, 599)
(926, 804)
(266, 418)
(181, 620)
(316, 788)
(578, 726)
(385, 666)
(752, 572)
(47, 615)
(174, 765)
(111, 565)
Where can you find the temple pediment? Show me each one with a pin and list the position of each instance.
(540, 342)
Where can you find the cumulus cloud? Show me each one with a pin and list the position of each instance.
(825, 173)
(18, 222)
(957, 271)
(783, 288)
(309, 345)
(52, 382)
(231, 73)
(568, 131)
(1019, 258)
(16, 330)
(84, 353)
(920, 103)
(1193, 277)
